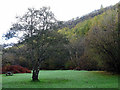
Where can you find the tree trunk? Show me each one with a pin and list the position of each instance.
(35, 73)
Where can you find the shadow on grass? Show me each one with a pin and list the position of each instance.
(107, 73)
(55, 80)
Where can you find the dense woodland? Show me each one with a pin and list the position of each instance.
(87, 43)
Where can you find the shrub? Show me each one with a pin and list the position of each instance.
(15, 69)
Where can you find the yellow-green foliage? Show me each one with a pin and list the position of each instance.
(82, 28)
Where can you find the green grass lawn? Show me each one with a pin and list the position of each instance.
(62, 79)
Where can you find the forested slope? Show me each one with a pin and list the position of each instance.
(100, 38)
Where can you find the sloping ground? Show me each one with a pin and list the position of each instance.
(62, 79)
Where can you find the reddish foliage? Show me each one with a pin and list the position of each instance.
(0, 70)
(78, 68)
(15, 69)
(71, 68)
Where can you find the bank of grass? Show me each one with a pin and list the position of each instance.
(62, 79)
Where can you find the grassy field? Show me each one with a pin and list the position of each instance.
(62, 79)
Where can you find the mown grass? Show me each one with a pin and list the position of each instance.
(62, 79)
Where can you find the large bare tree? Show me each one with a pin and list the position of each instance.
(31, 29)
